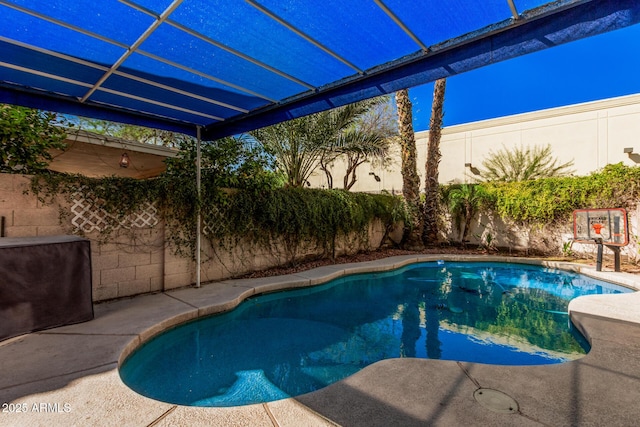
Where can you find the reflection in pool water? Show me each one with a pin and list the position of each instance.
(289, 343)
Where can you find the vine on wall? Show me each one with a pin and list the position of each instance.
(548, 203)
(549, 200)
(298, 216)
(295, 216)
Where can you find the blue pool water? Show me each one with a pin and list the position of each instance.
(289, 343)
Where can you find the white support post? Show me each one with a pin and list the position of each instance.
(198, 219)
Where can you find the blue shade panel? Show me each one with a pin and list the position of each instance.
(26, 58)
(175, 45)
(147, 108)
(121, 84)
(37, 32)
(95, 16)
(147, 68)
(525, 5)
(254, 34)
(435, 21)
(157, 6)
(357, 30)
(41, 83)
(310, 80)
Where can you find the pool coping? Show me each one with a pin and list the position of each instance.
(121, 326)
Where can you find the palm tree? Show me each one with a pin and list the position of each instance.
(301, 145)
(430, 209)
(359, 147)
(410, 177)
(464, 202)
(522, 164)
(325, 163)
(296, 154)
(367, 139)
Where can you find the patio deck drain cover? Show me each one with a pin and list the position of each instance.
(495, 401)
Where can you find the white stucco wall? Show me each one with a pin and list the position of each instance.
(591, 134)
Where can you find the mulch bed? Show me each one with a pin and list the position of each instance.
(626, 266)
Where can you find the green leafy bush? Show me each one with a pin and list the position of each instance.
(549, 199)
(299, 215)
(230, 162)
(262, 215)
(26, 136)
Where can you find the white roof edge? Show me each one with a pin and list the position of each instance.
(583, 107)
(114, 142)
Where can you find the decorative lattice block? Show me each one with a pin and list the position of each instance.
(88, 215)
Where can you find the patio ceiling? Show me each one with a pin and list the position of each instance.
(229, 66)
(96, 156)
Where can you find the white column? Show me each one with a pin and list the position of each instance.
(198, 218)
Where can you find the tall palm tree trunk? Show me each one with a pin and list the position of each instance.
(430, 209)
(410, 177)
(467, 222)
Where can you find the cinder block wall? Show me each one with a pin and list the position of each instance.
(128, 266)
(548, 240)
(140, 261)
(24, 214)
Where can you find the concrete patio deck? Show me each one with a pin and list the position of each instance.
(68, 376)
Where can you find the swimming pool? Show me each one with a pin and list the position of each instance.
(289, 343)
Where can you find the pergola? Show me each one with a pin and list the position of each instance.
(229, 66)
(214, 68)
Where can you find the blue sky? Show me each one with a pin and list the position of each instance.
(595, 68)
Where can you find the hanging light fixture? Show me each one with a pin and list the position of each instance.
(124, 160)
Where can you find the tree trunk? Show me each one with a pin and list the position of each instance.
(430, 211)
(327, 172)
(410, 177)
(350, 178)
(467, 224)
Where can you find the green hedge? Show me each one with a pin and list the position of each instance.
(550, 199)
(295, 215)
(307, 213)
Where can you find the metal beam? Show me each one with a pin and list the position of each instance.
(222, 46)
(119, 73)
(133, 47)
(160, 104)
(43, 74)
(401, 24)
(206, 76)
(28, 97)
(308, 38)
(111, 91)
(124, 46)
(180, 91)
(484, 47)
(514, 11)
(54, 54)
(63, 24)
